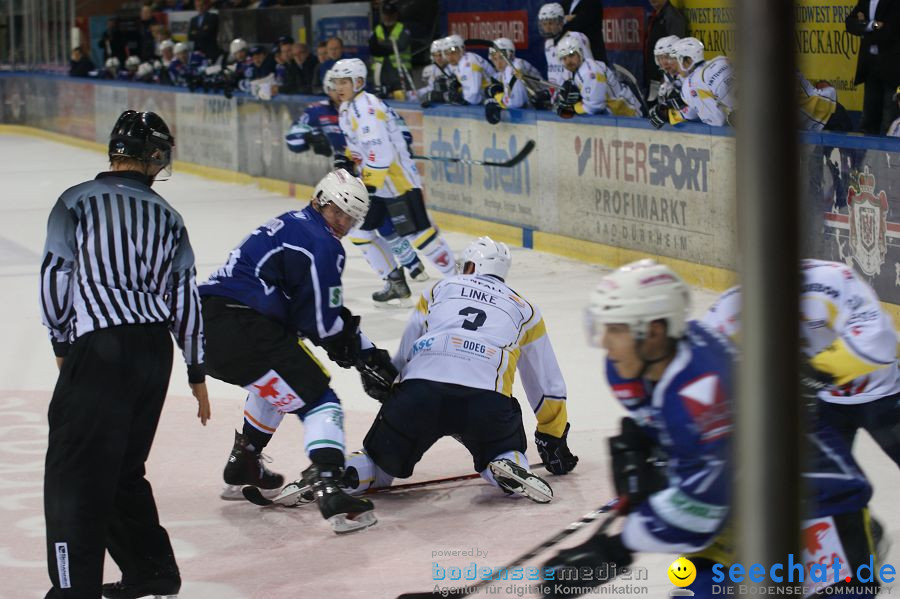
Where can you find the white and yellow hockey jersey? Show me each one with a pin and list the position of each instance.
(474, 74)
(816, 105)
(515, 94)
(709, 92)
(602, 92)
(556, 72)
(845, 332)
(375, 140)
(475, 331)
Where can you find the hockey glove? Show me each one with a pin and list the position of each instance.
(554, 451)
(674, 100)
(318, 142)
(344, 348)
(441, 85)
(493, 89)
(586, 566)
(345, 162)
(541, 99)
(492, 111)
(638, 464)
(569, 94)
(565, 111)
(377, 373)
(659, 115)
(455, 93)
(812, 382)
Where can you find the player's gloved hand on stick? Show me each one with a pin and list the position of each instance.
(565, 111)
(345, 162)
(493, 89)
(568, 93)
(541, 99)
(454, 93)
(318, 142)
(659, 115)
(638, 464)
(377, 373)
(441, 85)
(601, 556)
(492, 111)
(554, 451)
(344, 348)
(674, 100)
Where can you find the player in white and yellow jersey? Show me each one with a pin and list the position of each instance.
(512, 90)
(457, 360)
(593, 87)
(473, 73)
(852, 349)
(551, 20)
(375, 141)
(707, 90)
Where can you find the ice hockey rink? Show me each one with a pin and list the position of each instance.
(235, 550)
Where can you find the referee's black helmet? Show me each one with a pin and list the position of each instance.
(142, 136)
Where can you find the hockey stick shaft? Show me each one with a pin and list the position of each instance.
(434, 481)
(405, 78)
(591, 516)
(523, 153)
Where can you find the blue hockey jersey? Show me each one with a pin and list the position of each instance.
(319, 117)
(289, 269)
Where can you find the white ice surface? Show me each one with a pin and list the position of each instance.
(236, 550)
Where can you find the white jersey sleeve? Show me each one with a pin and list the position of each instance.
(475, 331)
(602, 92)
(514, 94)
(816, 105)
(474, 74)
(708, 92)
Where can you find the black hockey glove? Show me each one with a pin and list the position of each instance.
(568, 93)
(318, 142)
(674, 100)
(435, 97)
(345, 162)
(812, 382)
(441, 85)
(493, 89)
(554, 451)
(586, 566)
(455, 93)
(377, 373)
(659, 116)
(565, 111)
(344, 348)
(492, 111)
(541, 99)
(638, 464)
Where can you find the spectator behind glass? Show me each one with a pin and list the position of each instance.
(204, 31)
(665, 20)
(586, 16)
(335, 50)
(877, 22)
(146, 41)
(308, 63)
(294, 81)
(112, 42)
(79, 64)
(318, 73)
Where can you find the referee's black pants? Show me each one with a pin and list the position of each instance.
(103, 417)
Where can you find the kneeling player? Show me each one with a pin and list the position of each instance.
(457, 362)
(285, 279)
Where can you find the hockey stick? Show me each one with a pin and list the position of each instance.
(405, 78)
(520, 75)
(523, 153)
(614, 504)
(631, 82)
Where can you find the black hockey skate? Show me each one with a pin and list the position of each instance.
(164, 586)
(514, 479)
(247, 467)
(343, 512)
(395, 290)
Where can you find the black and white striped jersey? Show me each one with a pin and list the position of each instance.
(117, 253)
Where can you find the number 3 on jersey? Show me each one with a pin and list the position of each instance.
(474, 323)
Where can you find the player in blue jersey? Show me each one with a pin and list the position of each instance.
(318, 128)
(282, 285)
(671, 463)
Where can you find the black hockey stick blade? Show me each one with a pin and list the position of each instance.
(522, 155)
(254, 495)
(615, 504)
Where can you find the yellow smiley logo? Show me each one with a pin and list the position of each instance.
(682, 572)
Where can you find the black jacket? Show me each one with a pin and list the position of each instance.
(589, 21)
(668, 21)
(886, 63)
(205, 36)
(80, 68)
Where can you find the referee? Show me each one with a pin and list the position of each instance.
(117, 276)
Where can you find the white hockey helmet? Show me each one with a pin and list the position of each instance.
(328, 81)
(132, 63)
(504, 46)
(145, 69)
(437, 46)
(551, 14)
(181, 47)
(236, 45)
(489, 257)
(454, 42)
(112, 63)
(350, 68)
(663, 47)
(344, 191)
(166, 45)
(688, 47)
(569, 44)
(637, 294)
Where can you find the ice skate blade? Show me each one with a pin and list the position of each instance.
(343, 524)
(393, 304)
(294, 494)
(521, 481)
(233, 493)
(420, 278)
(165, 596)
